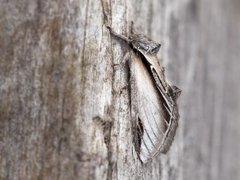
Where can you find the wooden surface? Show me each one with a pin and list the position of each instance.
(64, 114)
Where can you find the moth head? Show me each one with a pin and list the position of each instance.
(144, 44)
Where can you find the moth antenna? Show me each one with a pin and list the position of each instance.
(118, 35)
(132, 28)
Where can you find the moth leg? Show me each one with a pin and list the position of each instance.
(124, 62)
(163, 71)
(125, 59)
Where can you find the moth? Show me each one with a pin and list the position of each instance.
(154, 109)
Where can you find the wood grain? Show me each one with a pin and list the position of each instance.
(64, 114)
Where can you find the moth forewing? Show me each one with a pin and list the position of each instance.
(153, 61)
(147, 111)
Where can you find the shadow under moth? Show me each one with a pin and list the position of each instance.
(154, 110)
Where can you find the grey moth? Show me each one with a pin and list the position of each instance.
(154, 109)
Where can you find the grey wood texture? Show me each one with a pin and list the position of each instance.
(64, 113)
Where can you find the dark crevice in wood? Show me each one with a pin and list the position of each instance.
(83, 60)
(107, 14)
(150, 18)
